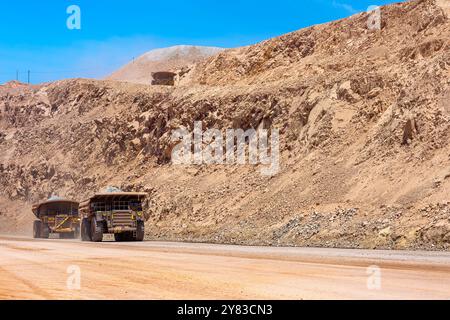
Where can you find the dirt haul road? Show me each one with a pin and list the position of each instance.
(48, 269)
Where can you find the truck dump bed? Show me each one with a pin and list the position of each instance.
(59, 206)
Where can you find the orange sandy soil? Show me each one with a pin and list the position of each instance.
(37, 269)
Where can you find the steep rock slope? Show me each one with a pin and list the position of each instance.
(364, 119)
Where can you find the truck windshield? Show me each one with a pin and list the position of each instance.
(117, 205)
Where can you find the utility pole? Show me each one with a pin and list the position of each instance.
(17, 75)
(28, 76)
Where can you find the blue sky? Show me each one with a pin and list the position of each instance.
(34, 35)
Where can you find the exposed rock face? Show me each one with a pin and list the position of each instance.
(364, 124)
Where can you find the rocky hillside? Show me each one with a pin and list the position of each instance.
(167, 59)
(364, 120)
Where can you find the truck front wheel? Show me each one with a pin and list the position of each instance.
(36, 229)
(140, 231)
(45, 231)
(96, 231)
(85, 230)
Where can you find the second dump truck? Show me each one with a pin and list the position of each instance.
(118, 213)
(56, 216)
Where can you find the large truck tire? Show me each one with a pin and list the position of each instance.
(45, 231)
(85, 230)
(36, 229)
(96, 231)
(140, 231)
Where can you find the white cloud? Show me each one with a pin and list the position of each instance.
(345, 6)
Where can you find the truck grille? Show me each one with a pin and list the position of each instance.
(122, 219)
(60, 219)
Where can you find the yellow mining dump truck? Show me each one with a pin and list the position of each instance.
(56, 216)
(119, 213)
